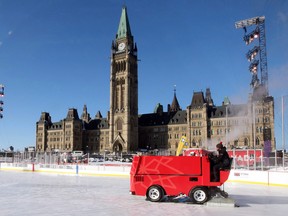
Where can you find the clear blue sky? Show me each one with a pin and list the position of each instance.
(54, 55)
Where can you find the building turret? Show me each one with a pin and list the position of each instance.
(175, 105)
(85, 115)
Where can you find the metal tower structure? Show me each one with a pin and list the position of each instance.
(260, 88)
(1, 101)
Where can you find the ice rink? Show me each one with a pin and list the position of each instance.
(26, 193)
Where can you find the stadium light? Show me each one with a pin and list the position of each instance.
(252, 53)
(254, 66)
(257, 55)
(1, 90)
(249, 38)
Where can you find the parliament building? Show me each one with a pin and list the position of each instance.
(124, 130)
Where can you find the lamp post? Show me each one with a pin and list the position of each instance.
(283, 135)
(254, 134)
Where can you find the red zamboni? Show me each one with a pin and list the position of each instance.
(159, 176)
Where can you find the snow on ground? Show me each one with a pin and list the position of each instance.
(48, 194)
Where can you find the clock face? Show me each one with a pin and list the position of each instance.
(121, 46)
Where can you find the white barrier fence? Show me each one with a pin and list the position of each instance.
(275, 178)
(75, 169)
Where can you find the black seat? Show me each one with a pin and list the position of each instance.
(228, 167)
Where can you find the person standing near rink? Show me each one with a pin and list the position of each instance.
(221, 161)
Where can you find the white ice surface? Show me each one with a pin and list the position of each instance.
(48, 194)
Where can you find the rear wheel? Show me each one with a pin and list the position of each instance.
(199, 195)
(155, 193)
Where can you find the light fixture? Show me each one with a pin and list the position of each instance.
(251, 36)
(1, 90)
(253, 66)
(252, 53)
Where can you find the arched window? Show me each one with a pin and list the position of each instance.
(246, 142)
(193, 143)
(257, 141)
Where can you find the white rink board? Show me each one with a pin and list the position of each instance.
(279, 178)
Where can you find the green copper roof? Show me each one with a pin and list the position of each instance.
(124, 27)
(226, 101)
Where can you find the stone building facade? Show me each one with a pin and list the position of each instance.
(124, 130)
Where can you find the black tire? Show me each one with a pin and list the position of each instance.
(199, 195)
(155, 193)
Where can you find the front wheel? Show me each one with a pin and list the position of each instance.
(155, 193)
(199, 195)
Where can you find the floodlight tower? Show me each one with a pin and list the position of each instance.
(260, 88)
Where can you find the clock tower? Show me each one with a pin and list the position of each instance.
(123, 114)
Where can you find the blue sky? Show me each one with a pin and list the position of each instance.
(54, 55)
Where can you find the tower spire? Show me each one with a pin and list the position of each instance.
(175, 105)
(124, 26)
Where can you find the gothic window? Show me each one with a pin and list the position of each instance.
(122, 96)
(193, 143)
(121, 66)
(257, 141)
(246, 142)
